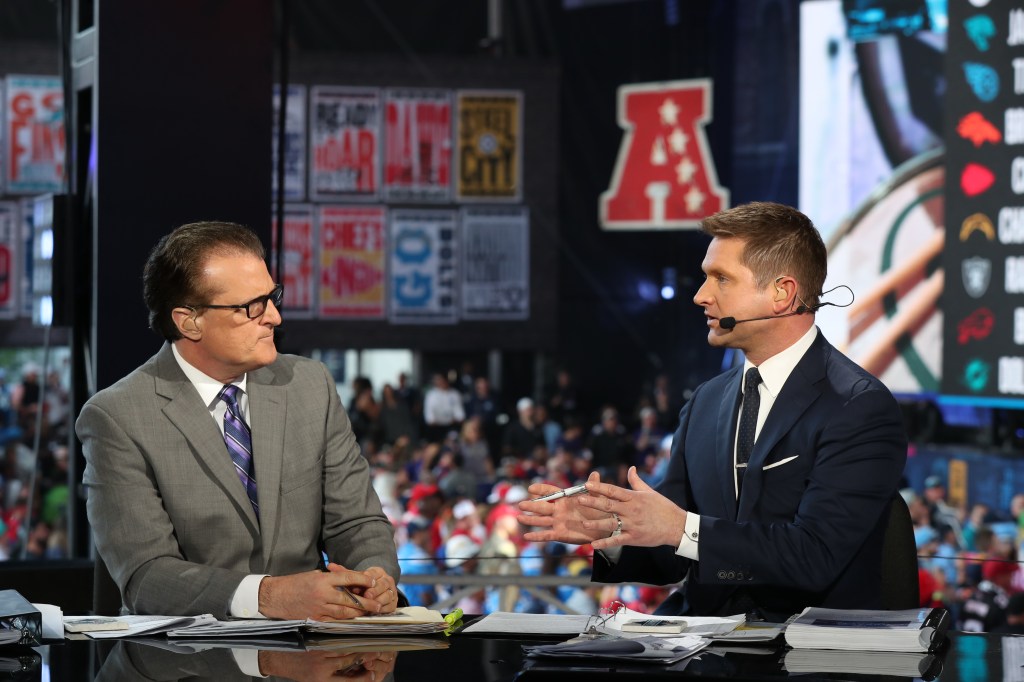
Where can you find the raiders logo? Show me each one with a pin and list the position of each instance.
(976, 273)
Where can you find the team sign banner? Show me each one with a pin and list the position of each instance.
(417, 145)
(664, 176)
(294, 142)
(34, 135)
(423, 260)
(351, 261)
(490, 145)
(299, 264)
(495, 263)
(10, 231)
(344, 136)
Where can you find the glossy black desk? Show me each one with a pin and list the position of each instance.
(969, 658)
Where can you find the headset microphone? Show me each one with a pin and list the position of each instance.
(728, 323)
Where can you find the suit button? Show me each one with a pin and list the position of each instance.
(739, 575)
(721, 575)
(732, 575)
(749, 577)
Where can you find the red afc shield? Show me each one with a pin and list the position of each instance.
(664, 176)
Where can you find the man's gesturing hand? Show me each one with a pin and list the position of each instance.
(648, 519)
(564, 518)
(318, 595)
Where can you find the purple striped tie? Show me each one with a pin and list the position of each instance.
(239, 442)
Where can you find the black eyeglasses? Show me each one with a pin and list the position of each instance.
(254, 308)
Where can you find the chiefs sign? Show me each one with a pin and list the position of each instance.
(664, 176)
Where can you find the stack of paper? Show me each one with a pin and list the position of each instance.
(411, 620)
(912, 630)
(891, 663)
(131, 626)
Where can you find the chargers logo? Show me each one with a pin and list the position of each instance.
(977, 222)
(976, 326)
(664, 176)
(976, 273)
(983, 79)
(980, 30)
(975, 128)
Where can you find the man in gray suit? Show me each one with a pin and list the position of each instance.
(219, 472)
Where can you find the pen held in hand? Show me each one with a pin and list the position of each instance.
(565, 492)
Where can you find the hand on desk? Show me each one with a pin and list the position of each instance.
(334, 594)
(313, 666)
(648, 518)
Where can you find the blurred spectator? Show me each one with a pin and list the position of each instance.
(442, 409)
(647, 439)
(461, 559)
(551, 429)
(364, 412)
(985, 608)
(666, 403)
(658, 469)
(522, 435)
(396, 419)
(563, 401)
(485, 404)
(415, 558)
(573, 439)
(942, 514)
(452, 477)
(1014, 617)
(411, 396)
(476, 456)
(611, 448)
(25, 398)
(58, 405)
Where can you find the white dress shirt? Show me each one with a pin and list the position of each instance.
(246, 599)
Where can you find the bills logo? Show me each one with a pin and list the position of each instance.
(664, 176)
(977, 326)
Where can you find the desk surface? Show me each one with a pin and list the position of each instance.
(969, 658)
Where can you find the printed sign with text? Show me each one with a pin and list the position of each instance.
(351, 261)
(489, 156)
(344, 143)
(423, 260)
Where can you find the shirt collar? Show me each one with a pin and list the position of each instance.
(775, 370)
(208, 387)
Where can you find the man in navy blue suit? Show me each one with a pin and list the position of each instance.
(782, 471)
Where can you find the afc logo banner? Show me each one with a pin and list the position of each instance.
(664, 176)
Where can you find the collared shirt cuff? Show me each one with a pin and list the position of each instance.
(245, 602)
(612, 554)
(688, 546)
(248, 661)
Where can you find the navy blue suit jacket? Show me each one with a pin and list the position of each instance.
(807, 531)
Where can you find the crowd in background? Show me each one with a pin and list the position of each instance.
(450, 462)
(968, 560)
(34, 422)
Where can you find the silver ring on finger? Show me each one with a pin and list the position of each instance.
(618, 525)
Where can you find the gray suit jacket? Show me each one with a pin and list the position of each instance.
(169, 515)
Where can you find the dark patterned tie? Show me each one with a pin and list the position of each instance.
(239, 441)
(748, 423)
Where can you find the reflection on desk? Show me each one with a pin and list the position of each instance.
(969, 658)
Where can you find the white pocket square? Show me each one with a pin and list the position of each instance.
(779, 463)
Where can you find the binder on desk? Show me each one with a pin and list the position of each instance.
(910, 630)
(21, 622)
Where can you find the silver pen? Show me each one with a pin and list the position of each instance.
(565, 492)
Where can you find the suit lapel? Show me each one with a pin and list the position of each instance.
(798, 393)
(192, 418)
(267, 407)
(725, 444)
